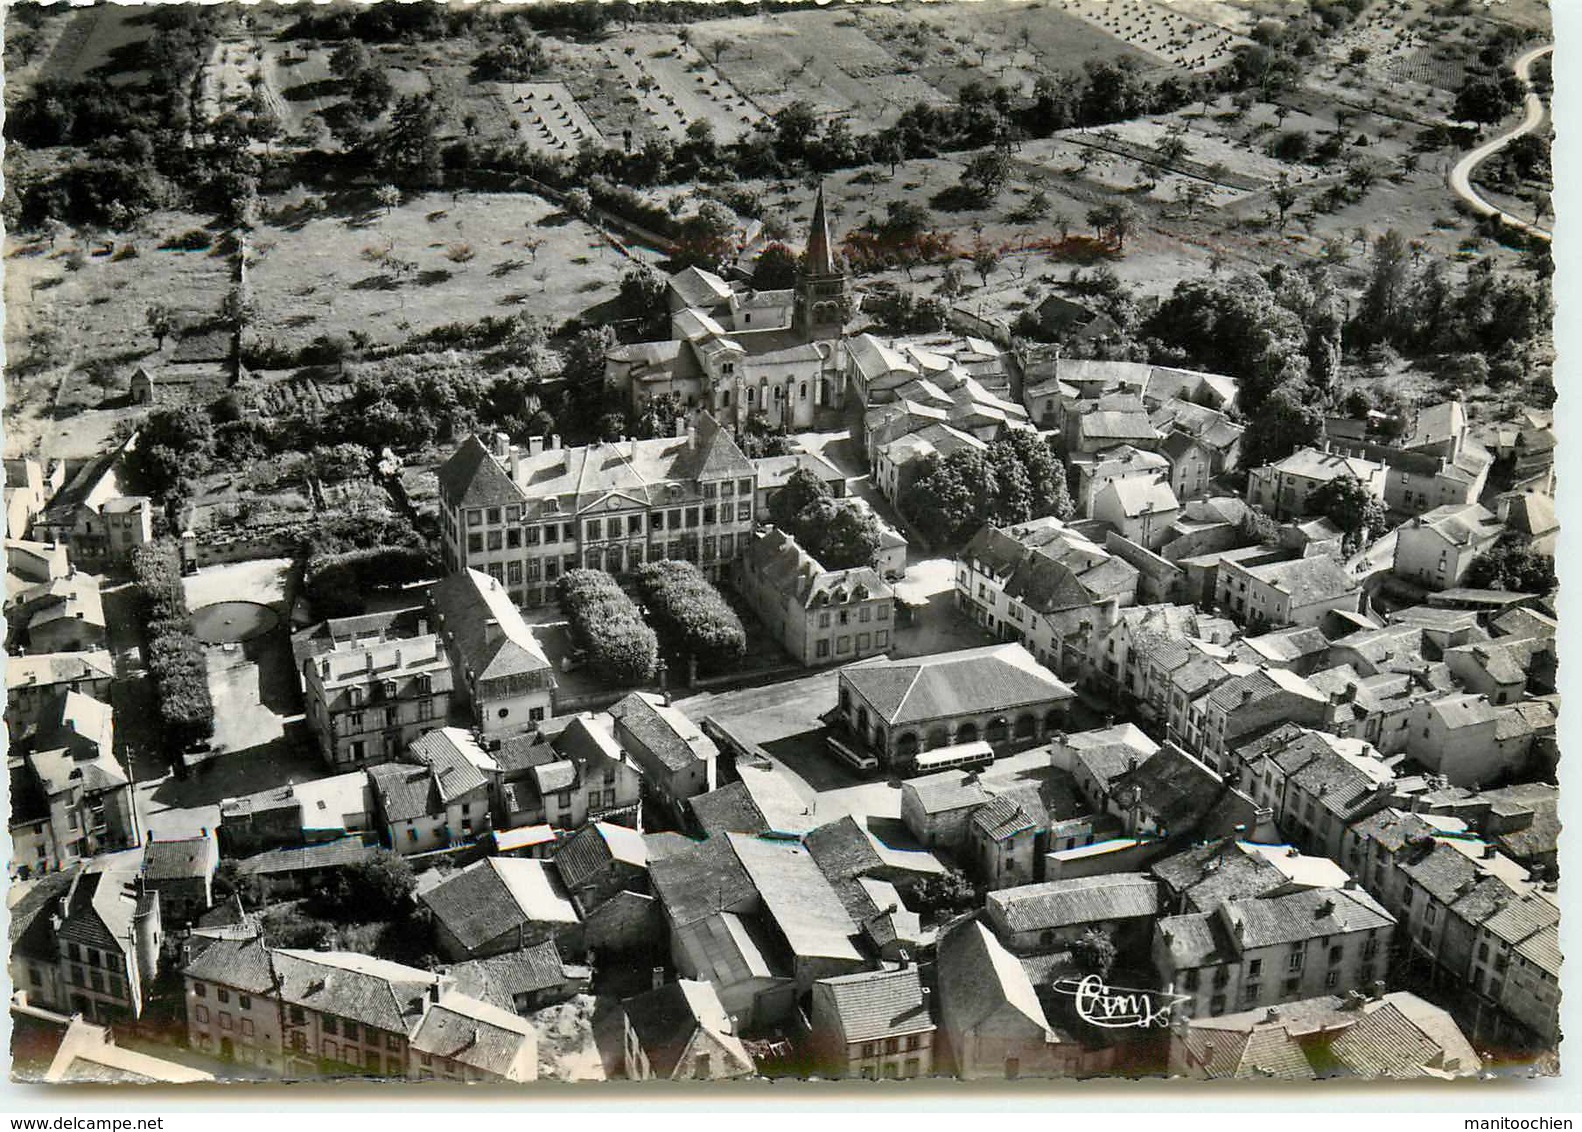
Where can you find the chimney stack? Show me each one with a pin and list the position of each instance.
(502, 446)
(535, 445)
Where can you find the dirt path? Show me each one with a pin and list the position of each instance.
(1461, 174)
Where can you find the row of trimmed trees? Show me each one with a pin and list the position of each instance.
(686, 614)
(176, 658)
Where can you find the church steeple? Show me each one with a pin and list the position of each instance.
(820, 259)
(822, 304)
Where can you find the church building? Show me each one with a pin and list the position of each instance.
(739, 353)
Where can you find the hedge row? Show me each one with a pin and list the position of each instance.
(689, 614)
(338, 584)
(176, 658)
(606, 625)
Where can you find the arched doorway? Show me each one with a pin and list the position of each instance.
(967, 733)
(906, 745)
(937, 737)
(999, 731)
(1026, 724)
(1051, 720)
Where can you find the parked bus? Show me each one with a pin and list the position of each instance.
(854, 759)
(963, 756)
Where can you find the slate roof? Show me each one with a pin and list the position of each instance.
(874, 1005)
(966, 682)
(1048, 566)
(781, 564)
(575, 479)
(1176, 790)
(1306, 580)
(467, 601)
(45, 669)
(496, 895)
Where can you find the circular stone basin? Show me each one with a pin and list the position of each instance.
(232, 622)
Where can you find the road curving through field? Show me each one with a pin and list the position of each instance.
(1461, 174)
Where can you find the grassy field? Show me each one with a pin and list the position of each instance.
(457, 259)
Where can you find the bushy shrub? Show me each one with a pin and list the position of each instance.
(606, 625)
(689, 614)
(176, 658)
(338, 584)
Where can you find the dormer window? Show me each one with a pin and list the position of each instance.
(390, 689)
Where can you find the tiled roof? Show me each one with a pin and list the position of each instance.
(966, 682)
(978, 977)
(1001, 818)
(495, 895)
(801, 901)
(329, 854)
(1081, 900)
(498, 979)
(240, 963)
(180, 859)
(700, 881)
(478, 1035)
(729, 809)
(674, 740)
(842, 850)
(1209, 874)
(1306, 580)
(947, 790)
(1277, 920)
(667, 1019)
(874, 1005)
(592, 849)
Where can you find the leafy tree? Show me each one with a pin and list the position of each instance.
(582, 370)
(1015, 479)
(840, 533)
(1287, 420)
(775, 269)
(706, 238)
(1347, 503)
(943, 895)
(388, 196)
(379, 887)
(1235, 326)
(161, 322)
(984, 260)
(1113, 220)
(985, 175)
(689, 614)
(1512, 564)
(802, 489)
(1095, 951)
(1258, 527)
(606, 625)
(644, 299)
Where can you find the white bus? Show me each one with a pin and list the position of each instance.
(961, 756)
(854, 759)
